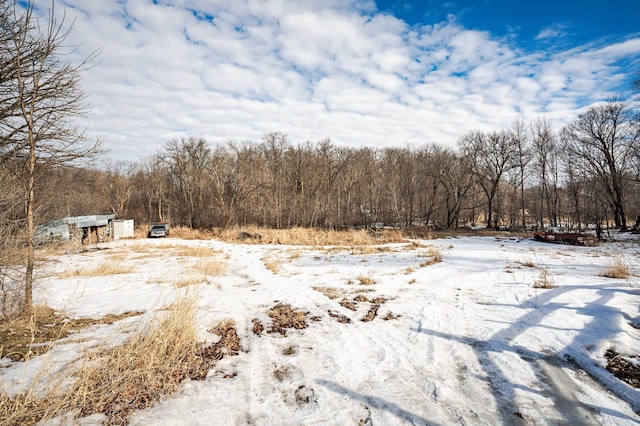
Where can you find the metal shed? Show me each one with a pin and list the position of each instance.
(87, 229)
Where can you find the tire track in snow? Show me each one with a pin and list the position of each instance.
(563, 388)
(444, 357)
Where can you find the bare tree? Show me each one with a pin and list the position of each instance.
(546, 164)
(45, 98)
(635, 86)
(428, 183)
(523, 156)
(274, 147)
(11, 252)
(116, 186)
(491, 156)
(188, 161)
(455, 175)
(601, 141)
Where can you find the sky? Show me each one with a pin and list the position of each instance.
(358, 72)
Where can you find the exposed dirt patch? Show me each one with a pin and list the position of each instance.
(304, 395)
(373, 311)
(281, 374)
(287, 373)
(258, 328)
(624, 369)
(390, 316)
(206, 356)
(339, 317)
(229, 341)
(361, 298)
(348, 304)
(284, 316)
(290, 351)
(26, 336)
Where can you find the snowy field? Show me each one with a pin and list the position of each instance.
(468, 340)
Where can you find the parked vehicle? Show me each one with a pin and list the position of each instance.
(555, 235)
(158, 229)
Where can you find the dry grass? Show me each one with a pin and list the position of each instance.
(191, 279)
(618, 268)
(331, 292)
(310, 236)
(526, 263)
(103, 269)
(365, 280)
(544, 281)
(433, 254)
(211, 267)
(114, 381)
(294, 255)
(273, 265)
(366, 250)
(197, 251)
(414, 245)
(181, 232)
(159, 280)
(186, 233)
(24, 337)
(49, 250)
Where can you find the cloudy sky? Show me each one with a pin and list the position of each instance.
(360, 72)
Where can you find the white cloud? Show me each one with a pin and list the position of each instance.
(552, 31)
(315, 69)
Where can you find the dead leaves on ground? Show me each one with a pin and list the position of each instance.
(623, 367)
(284, 316)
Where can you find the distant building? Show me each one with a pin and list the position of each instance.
(86, 229)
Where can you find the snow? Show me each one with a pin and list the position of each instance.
(474, 341)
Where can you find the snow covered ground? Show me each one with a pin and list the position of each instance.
(468, 340)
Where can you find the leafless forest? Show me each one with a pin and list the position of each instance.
(522, 177)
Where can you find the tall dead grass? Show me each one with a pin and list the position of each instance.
(310, 236)
(114, 381)
(197, 251)
(214, 267)
(433, 255)
(190, 279)
(292, 236)
(618, 268)
(101, 270)
(544, 281)
(186, 233)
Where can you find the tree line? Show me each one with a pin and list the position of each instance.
(527, 176)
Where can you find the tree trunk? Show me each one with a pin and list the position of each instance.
(28, 278)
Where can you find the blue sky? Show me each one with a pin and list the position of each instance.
(568, 22)
(359, 72)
